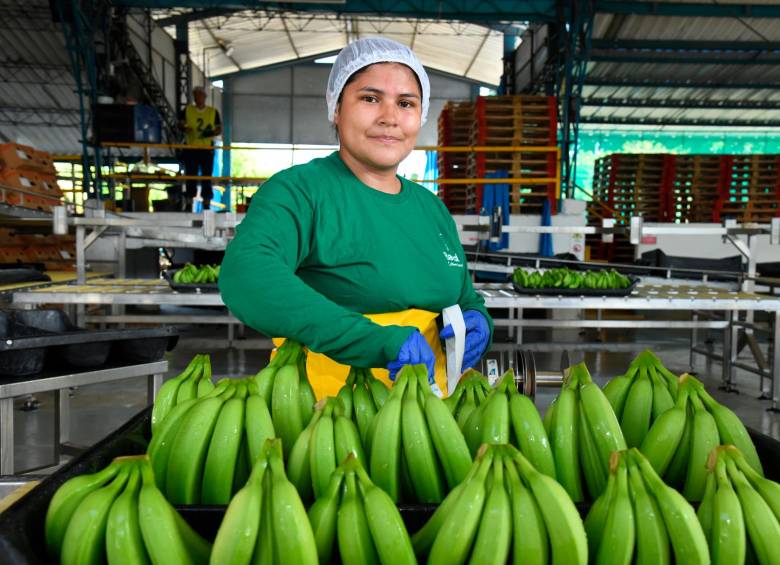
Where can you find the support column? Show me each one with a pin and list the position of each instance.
(227, 138)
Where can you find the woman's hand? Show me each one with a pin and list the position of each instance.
(477, 336)
(414, 350)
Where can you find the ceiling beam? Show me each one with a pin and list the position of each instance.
(688, 9)
(679, 45)
(463, 10)
(656, 83)
(682, 103)
(192, 16)
(677, 60)
(637, 121)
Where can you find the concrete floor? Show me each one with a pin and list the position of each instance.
(98, 410)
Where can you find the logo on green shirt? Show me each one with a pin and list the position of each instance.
(452, 258)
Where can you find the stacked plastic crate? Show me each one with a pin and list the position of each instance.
(455, 122)
(517, 121)
(28, 178)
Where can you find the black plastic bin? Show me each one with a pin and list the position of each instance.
(21, 526)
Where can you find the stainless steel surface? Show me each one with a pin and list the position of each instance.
(644, 297)
(60, 384)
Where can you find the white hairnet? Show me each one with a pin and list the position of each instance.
(368, 51)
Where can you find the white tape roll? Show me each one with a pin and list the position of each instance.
(456, 345)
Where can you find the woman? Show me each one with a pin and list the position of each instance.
(342, 236)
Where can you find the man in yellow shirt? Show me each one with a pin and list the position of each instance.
(201, 124)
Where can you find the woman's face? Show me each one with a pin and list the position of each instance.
(379, 116)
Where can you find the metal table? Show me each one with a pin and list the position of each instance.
(138, 292)
(12, 387)
(700, 300)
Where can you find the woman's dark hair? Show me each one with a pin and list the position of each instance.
(357, 73)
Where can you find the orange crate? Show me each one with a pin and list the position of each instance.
(15, 156)
(30, 181)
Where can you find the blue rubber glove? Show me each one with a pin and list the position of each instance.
(477, 336)
(413, 351)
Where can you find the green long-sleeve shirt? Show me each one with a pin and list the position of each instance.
(318, 248)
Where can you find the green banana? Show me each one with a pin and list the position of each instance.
(265, 551)
(466, 408)
(385, 442)
(124, 542)
(652, 540)
(388, 531)
(494, 538)
(665, 435)
(619, 535)
(662, 398)
(355, 544)
(159, 525)
(285, 406)
(298, 464)
(379, 392)
(347, 440)
(638, 410)
(685, 533)
(769, 490)
(423, 539)
(616, 391)
(567, 534)
(704, 439)
(418, 449)
(594, 469)
(222, 456)
(448, 440)
(184, 475)
(84, 541)
(564, 439)
(239, 530)
(706, 508)
(677, 469)
(67, 499)
(601, 420)
(729, 539)
(346, 394)
(454, 538)
(323, 516)
(293, 537)
(597, 517)
(495, 419)
(265, 379)
(530, 542)
(731, 429)
(322, 451)
(165, 399)
(364, 408)
(761, 524)
(306, 397)
(258, 424)
(531, 437)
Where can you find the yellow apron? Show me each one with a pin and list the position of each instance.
(327, 376)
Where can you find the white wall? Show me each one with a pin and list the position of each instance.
(163, 58)
(287, 105)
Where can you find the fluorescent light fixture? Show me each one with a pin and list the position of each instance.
(326, 60)
(218, 83)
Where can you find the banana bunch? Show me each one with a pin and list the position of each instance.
(505, 511)
(192, 382)
(362, 518)
(266, 521)
(507, 416)
(119, 516)
(362, 396)
(740, 511)
(205, 448)
(641, 520)
(471, 391)
(583, 432)
(328, 439)
(287, 392)
(647, 390)
(417, 452)
(679, 443)
(203, 274)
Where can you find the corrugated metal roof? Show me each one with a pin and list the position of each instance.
(38, 105)
(258, 38)
(659, 65)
